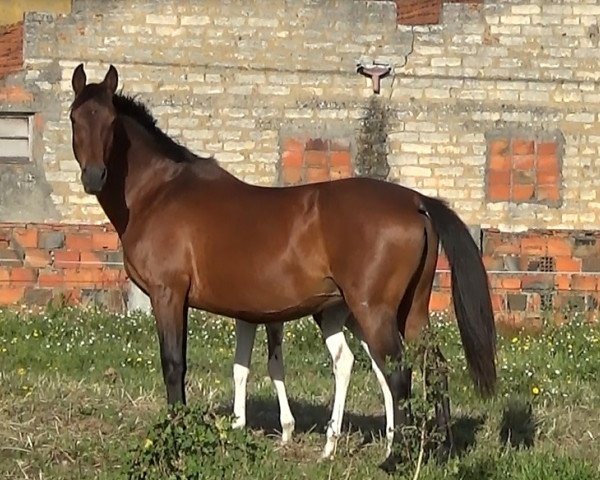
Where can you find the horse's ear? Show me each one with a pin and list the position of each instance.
(111, 79)
(79, 79)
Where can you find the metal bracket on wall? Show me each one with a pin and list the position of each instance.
(375, 71)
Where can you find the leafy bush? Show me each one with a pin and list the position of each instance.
(195, 443)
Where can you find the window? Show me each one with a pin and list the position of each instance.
(15, 132)
(524, 169)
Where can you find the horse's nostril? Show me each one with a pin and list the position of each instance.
(103, 177)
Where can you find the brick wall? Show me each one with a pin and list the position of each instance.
(40, 262)
(235, 81)
(495, 106)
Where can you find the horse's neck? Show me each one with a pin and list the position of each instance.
(138, 170)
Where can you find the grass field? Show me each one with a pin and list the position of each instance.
(81, 393)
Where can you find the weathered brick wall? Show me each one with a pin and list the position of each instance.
(234, 80)
(495, 109)
(81, 263)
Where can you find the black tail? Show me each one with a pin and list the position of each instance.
(471, 293)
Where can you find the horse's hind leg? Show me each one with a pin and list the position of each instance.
(388, 399)
(331, 322)
(245, 334)
(276, 371)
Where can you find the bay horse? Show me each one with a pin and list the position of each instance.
(356, 250)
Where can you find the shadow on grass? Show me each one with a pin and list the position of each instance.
(263, 414)
(518, 425)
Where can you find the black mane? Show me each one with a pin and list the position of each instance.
(127, 105)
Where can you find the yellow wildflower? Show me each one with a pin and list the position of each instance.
(535, 390)
(21, 371)
(147, 444)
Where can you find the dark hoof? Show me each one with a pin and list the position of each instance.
(389, 464)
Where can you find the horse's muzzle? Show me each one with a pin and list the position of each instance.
(93, 179)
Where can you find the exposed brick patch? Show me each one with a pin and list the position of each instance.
(11, 48)
(15, 93)
(309, 160)
(418, 12)
(524, 170)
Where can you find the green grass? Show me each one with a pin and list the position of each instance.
(80, 390)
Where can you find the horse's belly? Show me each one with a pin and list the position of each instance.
(260, 303)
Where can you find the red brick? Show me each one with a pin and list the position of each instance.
(508, 247)
(496, 177)
(534, 246)
(562, 282)
(291, 158)
(51, 279)
(105, 241)
(294, 145)
(498, 302)
(442, 263)
(499, 192)
(511, 283)
(524, 162)
(15, 93)
(314, 158)
(558, 246)
(79, 241)
(548, 163)
(66, 258)
(522, 193)
(523, 147)
(340, 172)
(26, 237)
(566, 263)
(91, 260)
(292, 175)
(4, 275)
(11, 295)
(316, 174)
(499, 146)
(340, 159)
(585, 283)
(547, 148)
(411, 12)
(83, 278)
(547, 178)
(549, 193)
(439, 301)
(37, 258)
(500, 162)
(22, 275)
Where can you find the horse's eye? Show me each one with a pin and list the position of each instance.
(93, 111)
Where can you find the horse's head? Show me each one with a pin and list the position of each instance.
(93, 117)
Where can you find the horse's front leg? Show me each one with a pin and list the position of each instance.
(244, 343)
(170, 311)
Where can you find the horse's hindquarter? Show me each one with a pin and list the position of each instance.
(373, 233)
